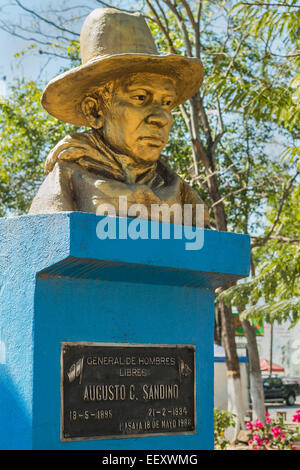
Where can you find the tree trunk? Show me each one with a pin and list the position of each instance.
(218, 327)
(204, 154)
(204, 148)
(219, 210)
(235, 400)
(256, 386)
(235, 403)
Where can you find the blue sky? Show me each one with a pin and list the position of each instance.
(30, 66)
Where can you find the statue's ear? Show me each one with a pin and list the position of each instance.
(92, 112)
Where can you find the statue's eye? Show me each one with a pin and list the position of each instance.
(139, 97)
(168, 102)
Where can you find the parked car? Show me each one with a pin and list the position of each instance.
(281, 389)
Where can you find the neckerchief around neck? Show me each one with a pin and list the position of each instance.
(89, 151)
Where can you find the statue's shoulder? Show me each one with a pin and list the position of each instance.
(55, 192)
(71, 147)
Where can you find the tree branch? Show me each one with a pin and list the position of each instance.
(163, 29)
(187, 121)
(15, 31)
(235, 55)
(182, 26)
(163, 14)
(18, 35)
(45, 20)
(270, 5)
(230, 194)
(195, 25)
(260, 241)
(284, 196)
(205, 125)
(109, 5)
(197, 35)
(54, 54)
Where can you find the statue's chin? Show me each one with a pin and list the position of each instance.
(145, 155)
(147, 151)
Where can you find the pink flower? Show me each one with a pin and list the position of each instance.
(268, 420)
(258, 440)
(275, 431)
(294, 448)
(258, 424)
(267, 414)
(296, 417)
(250, 426)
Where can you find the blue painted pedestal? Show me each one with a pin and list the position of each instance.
(59, 282)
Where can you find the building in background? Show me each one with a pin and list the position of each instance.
(286, 347)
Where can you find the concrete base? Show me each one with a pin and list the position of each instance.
(59, 282)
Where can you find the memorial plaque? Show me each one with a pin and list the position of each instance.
(118, 390)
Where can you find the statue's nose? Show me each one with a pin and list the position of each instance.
(158, 116)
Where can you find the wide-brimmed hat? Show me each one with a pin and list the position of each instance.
(115, 44)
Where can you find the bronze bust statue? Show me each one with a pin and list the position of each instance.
(125, 92)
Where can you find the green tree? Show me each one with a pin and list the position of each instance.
(252, 91)
(265, 81)
(268, 90)
(27, 135)
(276, 254)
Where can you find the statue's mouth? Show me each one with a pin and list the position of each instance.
(155, 140)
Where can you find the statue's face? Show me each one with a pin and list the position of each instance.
(139, 118)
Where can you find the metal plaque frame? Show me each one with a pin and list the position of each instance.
(77, 371)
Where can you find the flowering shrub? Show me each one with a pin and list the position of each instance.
(296, 417)
(222, 421)
(274, 434)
